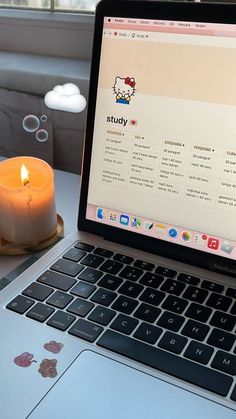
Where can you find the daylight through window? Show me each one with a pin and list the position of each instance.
(53, 5)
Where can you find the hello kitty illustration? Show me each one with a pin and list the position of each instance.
(124, 89)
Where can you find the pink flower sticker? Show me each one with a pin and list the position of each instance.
(54, 347)
(24, 360)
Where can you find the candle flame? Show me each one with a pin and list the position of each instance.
(24, 175)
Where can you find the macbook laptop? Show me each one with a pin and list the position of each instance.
(134, 315)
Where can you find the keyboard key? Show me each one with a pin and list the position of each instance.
(199, 352)
(147, 313)
(103, 252)
(102, 315)
(231, 292)
(74, 254)
(172, 342)
(233, 395)
(84, 246)
(124, 324)
(221, 339)
(37, 291)
(165, 272)
(171, 321)
(223, 321)
(61, 320)
(80, 307)
(152, 296)
(82, 289)
(220, 302)
(151, 280)
(175, 304)
(131, 273)
(110, 282)
(66, 267)
(59, 299)
(173, 287)
(211, 286)
(197, 295)
(125, 304)
(56, 280)
(225, 362)
(195, 330)
(131, 289)
(85, 330)
(198, 312)
(166, 362)
(127, 260)
(90, 275)
(40, 312)
(104, 297)
(20, 304)
(188, 279)
(148, 333)
(146, 266)
(233, 309)
(111, 266)
(93, 261)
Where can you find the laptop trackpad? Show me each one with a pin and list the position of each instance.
(96, 387)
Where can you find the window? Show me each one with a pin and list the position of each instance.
(52, 5)
(39, 31)
(88, 5)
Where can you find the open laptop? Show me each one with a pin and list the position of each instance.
(134, 315)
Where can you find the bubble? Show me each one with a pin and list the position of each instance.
(44, 118)
(42, 135)
(31, 123)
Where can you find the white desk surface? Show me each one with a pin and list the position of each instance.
(67, 187)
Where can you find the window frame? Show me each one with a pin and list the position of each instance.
(63, 34)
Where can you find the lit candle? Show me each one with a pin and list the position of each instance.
(27, 202)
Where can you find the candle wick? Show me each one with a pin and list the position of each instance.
(25, 182)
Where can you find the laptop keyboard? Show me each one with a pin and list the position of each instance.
(168, 320)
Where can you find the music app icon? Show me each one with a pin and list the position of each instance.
(213, 243)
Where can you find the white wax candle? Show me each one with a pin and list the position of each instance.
(27, 207)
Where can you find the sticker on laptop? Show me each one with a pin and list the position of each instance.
(53, 346)
(47, 368)
(124, 89)
(24, 360)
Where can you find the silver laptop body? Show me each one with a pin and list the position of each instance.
(134, 314)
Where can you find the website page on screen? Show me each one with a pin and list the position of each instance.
(164, 147)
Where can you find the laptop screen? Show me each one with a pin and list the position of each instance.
(163, 161)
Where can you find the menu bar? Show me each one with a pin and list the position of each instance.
(203, 28)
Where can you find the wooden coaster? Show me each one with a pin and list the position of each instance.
(7, 248)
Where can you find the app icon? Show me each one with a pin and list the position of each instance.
(124, 219)
(100, 214)
(213, 243)
(173, 233)
(160, 229)
(186, 236)
(148, 225)
(200, 239)
(113, 216)
(227, 247)
(136, 222)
